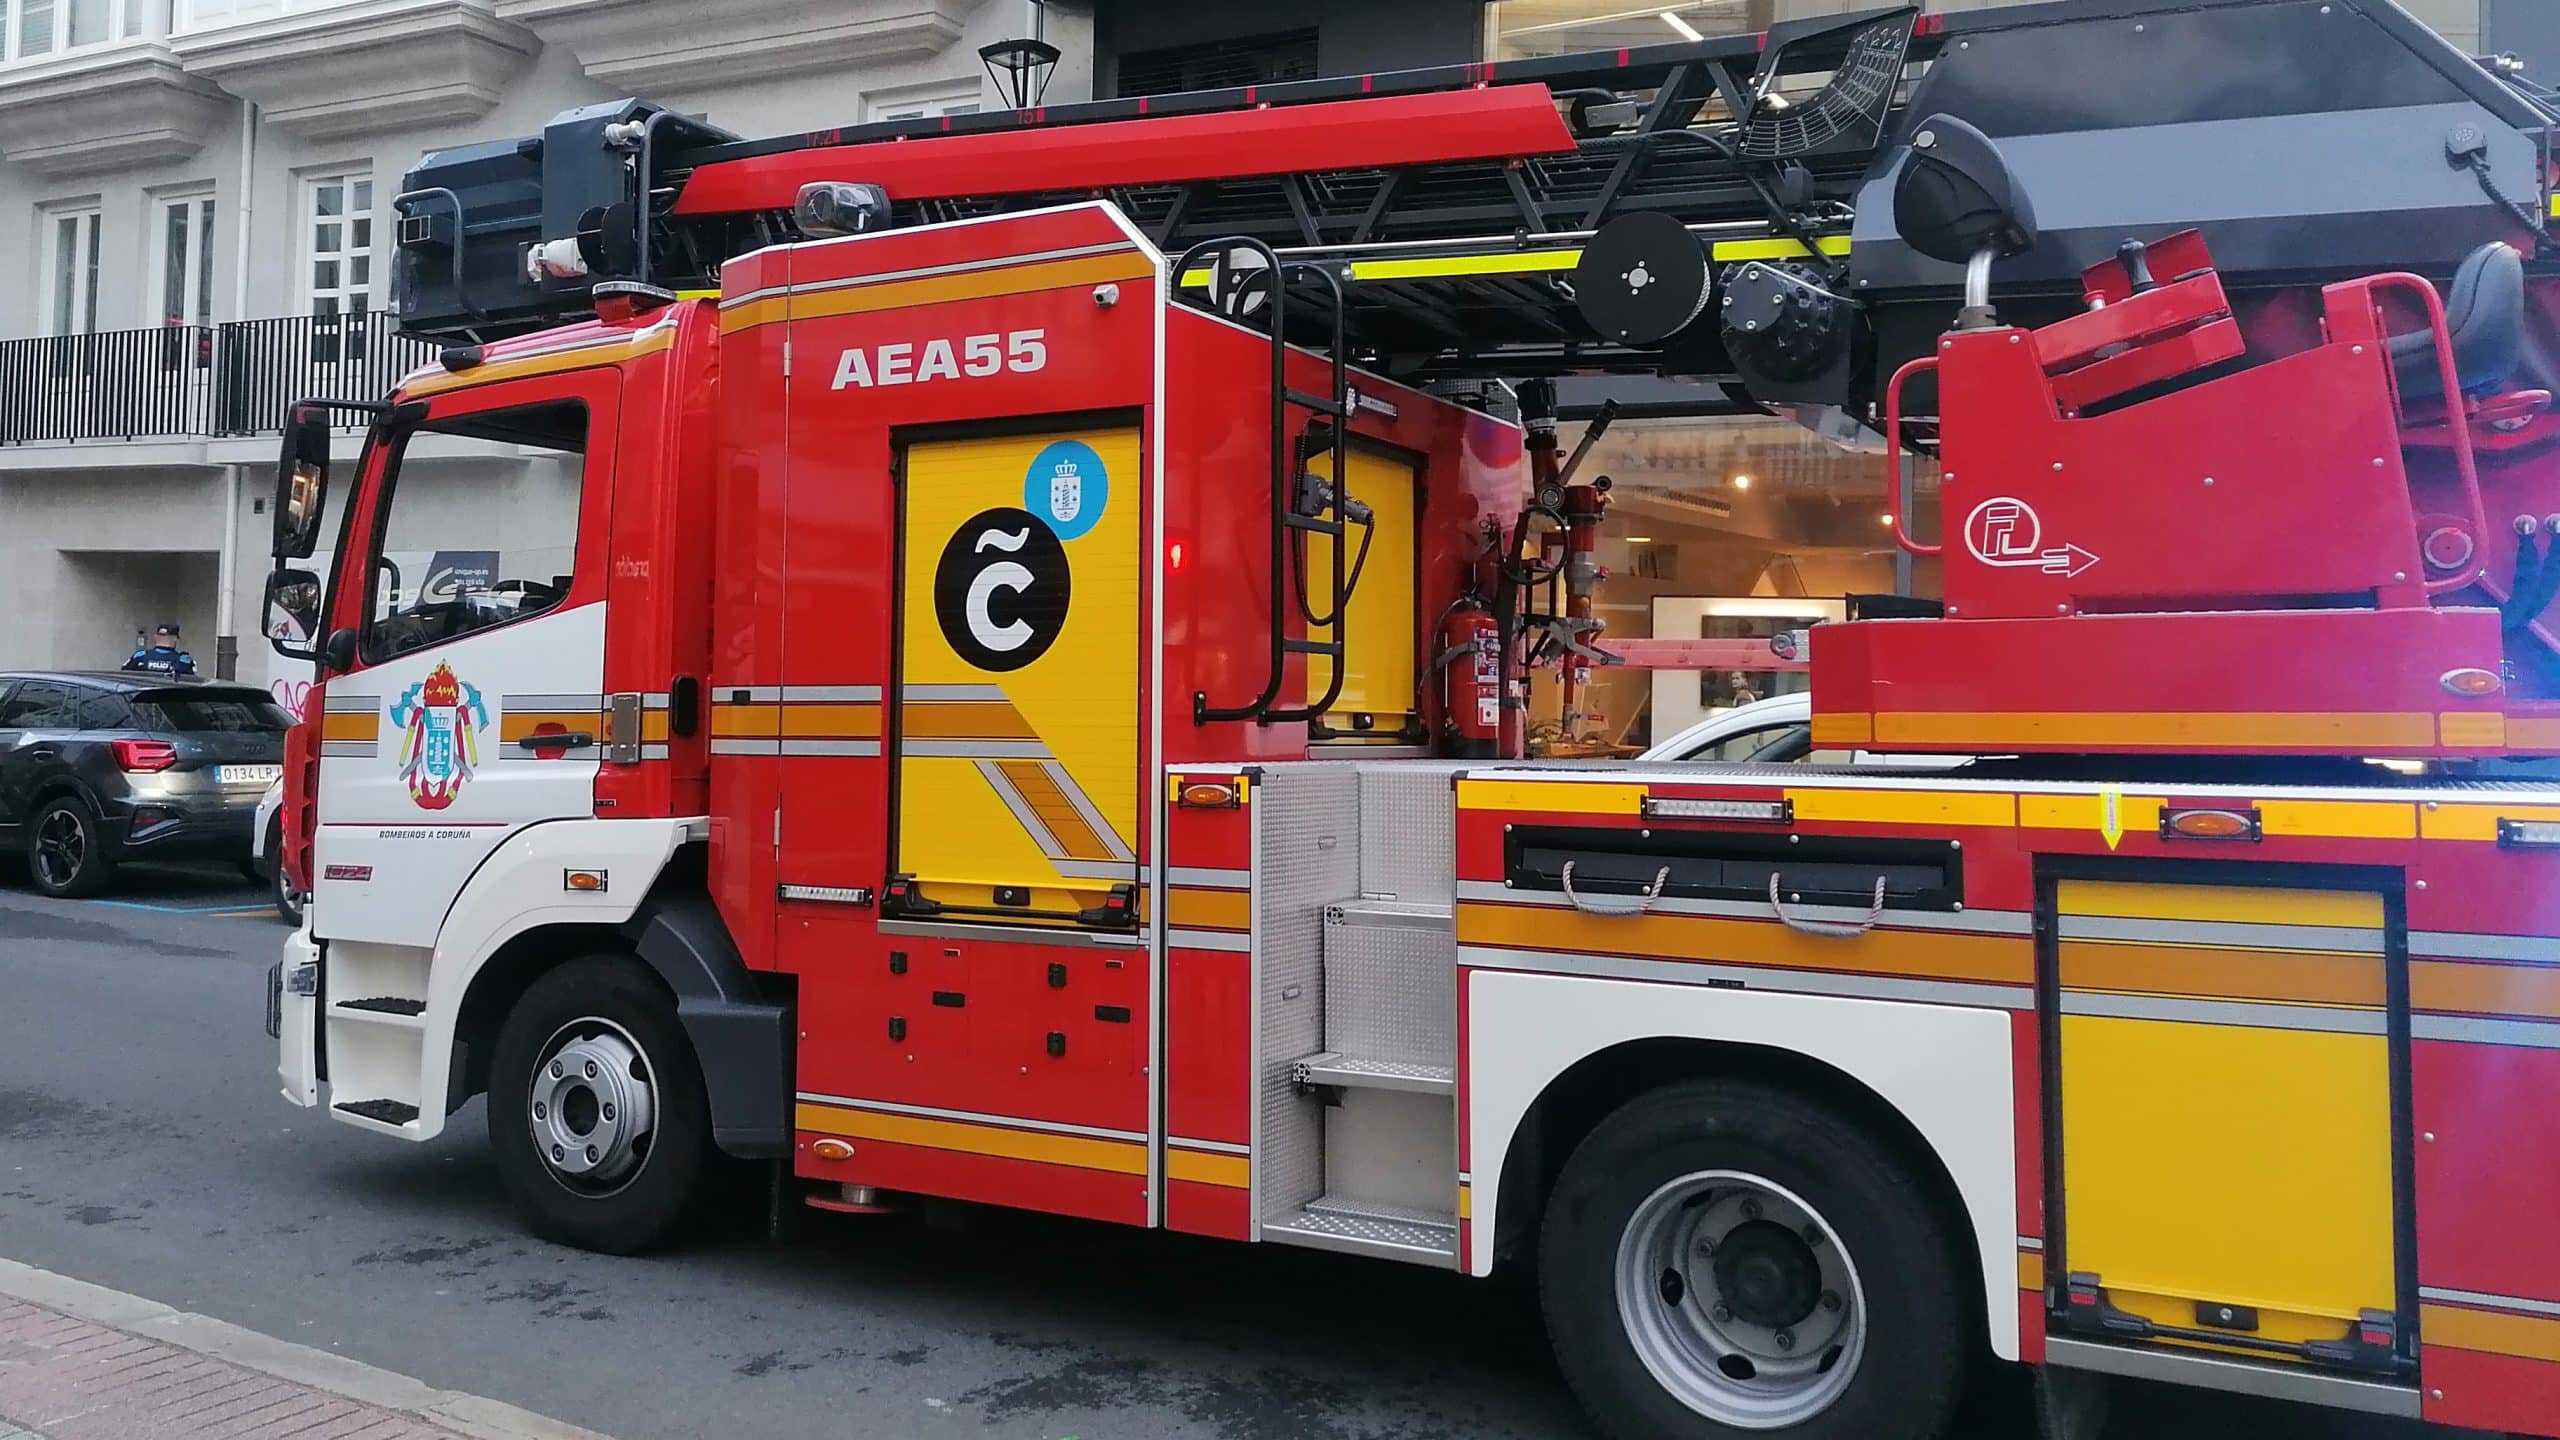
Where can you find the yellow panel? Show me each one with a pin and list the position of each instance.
(2347, 909)
(1560, 797)
(2477, 822)
(1378, 658)
(2340, 819)
(1906, 807)
(1076, 700)
(2229, 1163)
(2134, 814)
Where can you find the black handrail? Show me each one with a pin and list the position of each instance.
(195, 381)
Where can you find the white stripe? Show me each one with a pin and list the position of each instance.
(348, 747)
(842, 693)
(1209, 940)
(2240, 934)
(1206, 875)
(1753, 977)
(1010, 1122)
(2030, 1242)
(2476, 1297)
(2332, 1019)
(2531, 1034)
(2542, 949)
(950, 692)
(653, 752)
(976, 749)
(1220, 1146)
(734, 745)
(961, 267)
(336, 701)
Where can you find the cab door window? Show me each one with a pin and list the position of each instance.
(468, 542)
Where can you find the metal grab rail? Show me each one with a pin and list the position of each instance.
(1893, 452)
(2457, 424)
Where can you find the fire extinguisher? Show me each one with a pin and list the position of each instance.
(1470, 664)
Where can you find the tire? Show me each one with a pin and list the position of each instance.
(288, 900)
(646, 1172)
(67, 849)
(1710, 1192)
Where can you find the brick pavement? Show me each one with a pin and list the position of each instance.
(64, 1378)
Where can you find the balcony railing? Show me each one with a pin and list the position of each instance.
(195, 381)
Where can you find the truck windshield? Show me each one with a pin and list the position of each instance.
(462, 547)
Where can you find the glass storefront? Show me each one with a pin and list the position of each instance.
(1727, 528)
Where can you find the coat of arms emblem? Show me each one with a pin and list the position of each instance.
(441, 719)
(1066, 491)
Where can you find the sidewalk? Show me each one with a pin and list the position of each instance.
(79, 1362)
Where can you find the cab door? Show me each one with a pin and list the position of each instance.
(475, 708)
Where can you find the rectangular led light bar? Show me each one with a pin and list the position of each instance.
(1763, 812)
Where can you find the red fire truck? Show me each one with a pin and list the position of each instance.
(1001, 673)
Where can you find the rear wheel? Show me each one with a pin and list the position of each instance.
(1725, 1258)
(289, 901)
(597, 1111)
(67, 849)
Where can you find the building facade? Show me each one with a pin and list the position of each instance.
(195, 202)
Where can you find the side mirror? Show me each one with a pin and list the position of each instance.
(292, 613)
(1956, 198)
(340, 652)
(302, 482)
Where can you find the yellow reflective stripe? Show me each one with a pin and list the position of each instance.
(1554, 796)
(2228, 904)
(2030, 1270)
(826, 719)
(1835, 728)
(1466, 1202)
(1207, 1168)
(1906, 807)
(2476, 822)
(1777, 249)
(1126, 1157)
(350, 725)
(1916, 954)
(856, 297)
(758, 719)
(581, 357)
(1191, 908)
(2527, 1336)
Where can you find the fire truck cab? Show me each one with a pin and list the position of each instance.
(963, 700)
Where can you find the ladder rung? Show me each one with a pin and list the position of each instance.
(1321, 404)
(1330, 649)
(1313, 524)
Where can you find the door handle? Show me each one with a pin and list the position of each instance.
(558, 740)
(43, 752)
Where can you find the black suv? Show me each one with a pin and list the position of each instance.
(99, 768)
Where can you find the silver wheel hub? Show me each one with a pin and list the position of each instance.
(1741, 1300)
(593, 1106)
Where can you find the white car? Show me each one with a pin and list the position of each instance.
(1778, 730)
(266, 854)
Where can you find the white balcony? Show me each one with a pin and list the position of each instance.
(103, 107)
(651, 46)
(324, 69)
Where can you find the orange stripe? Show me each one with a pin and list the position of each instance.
(1126, 1157)
(351, 725)
(1208, 1167)
(2299, 977)
(2527, 1336)
(2485, 989)
(1998, 959)
(1040, 790)
(1192, 908)
(831, 720)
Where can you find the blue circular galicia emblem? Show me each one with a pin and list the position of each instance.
(1067, 487)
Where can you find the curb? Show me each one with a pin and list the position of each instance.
(472, 1415)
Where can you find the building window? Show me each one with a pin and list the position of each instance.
(338, 275)
(1249, 60)
(43, 27)
(1523, 29)
(917, 103)
(183, 242)
(71, 272)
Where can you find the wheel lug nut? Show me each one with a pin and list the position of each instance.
(1723, 1314)
(608, 1112)
(1831, 1300)
(541, 1111)
(1750, 1209)
(591, 1069)
(1786, 1340)
(556, 1071)
(559, 1154)
(591, 1154)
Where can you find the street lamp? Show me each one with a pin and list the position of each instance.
(1020, 69)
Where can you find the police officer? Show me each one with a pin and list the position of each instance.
(162, 656)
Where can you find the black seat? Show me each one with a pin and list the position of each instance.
(2485, 312)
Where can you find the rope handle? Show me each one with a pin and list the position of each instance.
(1616, 905)
(1837, 929)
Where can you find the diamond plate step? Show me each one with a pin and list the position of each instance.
(1332, 1068)
(1388, 1232)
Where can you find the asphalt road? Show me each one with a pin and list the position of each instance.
(143, 1146)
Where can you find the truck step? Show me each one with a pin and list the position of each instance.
(380, 1112)
(1353, 1072)
(1356, 1227)
(386, 1005)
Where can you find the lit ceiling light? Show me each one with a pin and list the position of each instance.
(1687, 30)
(1639, 539)
(1741, 482)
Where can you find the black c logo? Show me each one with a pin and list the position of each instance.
(1001, 589)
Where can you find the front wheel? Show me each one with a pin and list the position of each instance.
(289, 901)
(1722, 1258)
(597, 1112)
